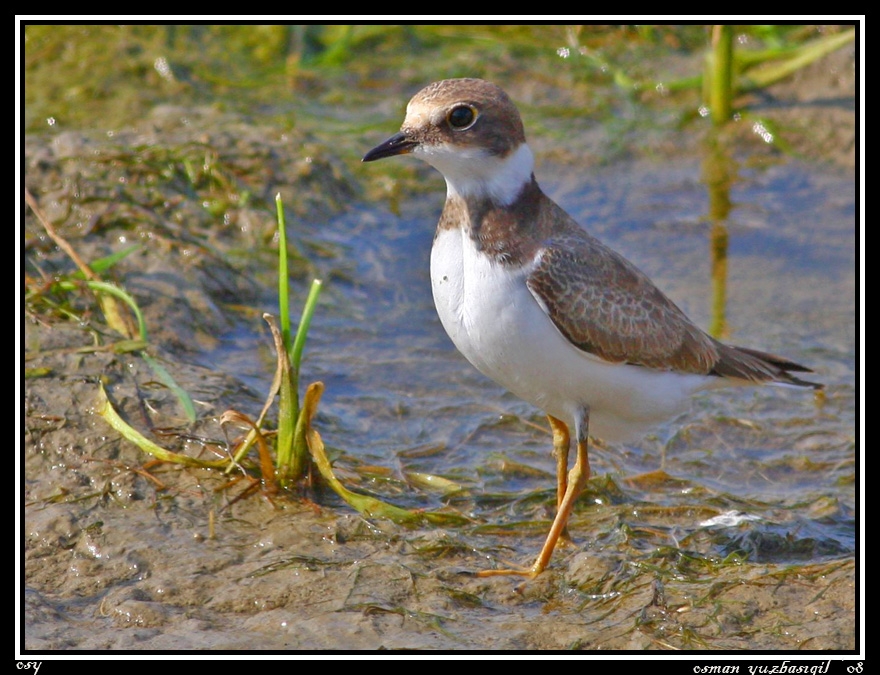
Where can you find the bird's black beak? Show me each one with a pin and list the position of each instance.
(399, 144)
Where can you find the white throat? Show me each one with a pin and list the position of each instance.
(473, 172)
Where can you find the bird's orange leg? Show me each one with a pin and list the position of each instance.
(561, 445)
(577, 479)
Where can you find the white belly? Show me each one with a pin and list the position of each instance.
(494, 320)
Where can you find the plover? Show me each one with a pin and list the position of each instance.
(542, 307)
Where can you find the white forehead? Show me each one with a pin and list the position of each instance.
(421, 113)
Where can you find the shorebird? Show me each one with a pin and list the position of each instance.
(542, 307)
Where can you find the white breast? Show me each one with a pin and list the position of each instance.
(493, 319)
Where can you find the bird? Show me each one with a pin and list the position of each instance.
(544, 308)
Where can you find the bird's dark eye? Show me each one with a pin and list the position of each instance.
(462, 117)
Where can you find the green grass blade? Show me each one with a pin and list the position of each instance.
(287, 408)
(103, 264)
(803, 56)
(165, 378)
(161, 373)
(115, 291)
(283, 281)
(303, 328)
(369, 507)
(720, 74)
(106, 410)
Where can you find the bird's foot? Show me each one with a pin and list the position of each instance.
(529, 573)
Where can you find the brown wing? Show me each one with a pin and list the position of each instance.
(604, 305)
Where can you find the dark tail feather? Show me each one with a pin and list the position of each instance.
(755, 366)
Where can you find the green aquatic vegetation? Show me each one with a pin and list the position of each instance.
(297, 446)
(729, 71)
(109, 298)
